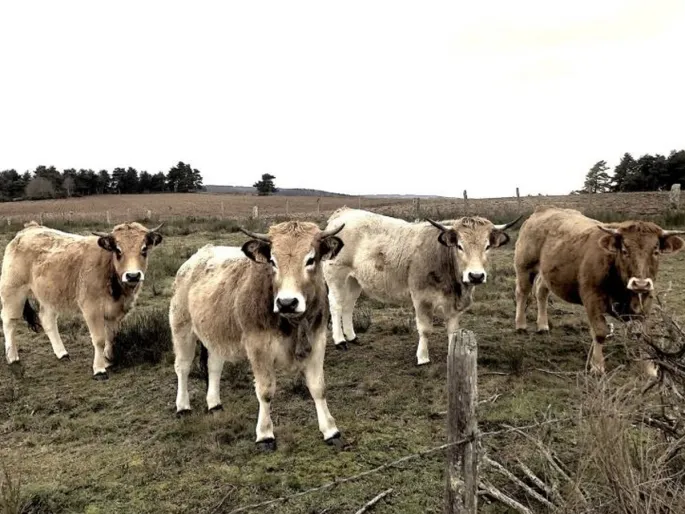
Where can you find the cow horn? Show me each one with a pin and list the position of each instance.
(667, 233)
(510, 224)
(101, 234)
(437, 225)
(331, 232)
(608, 230)
(255, 235)
(157, 227)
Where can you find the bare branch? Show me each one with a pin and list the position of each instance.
(498, 495)
(373, 502)
(508, 474)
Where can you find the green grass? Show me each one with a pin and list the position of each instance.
(117, 446)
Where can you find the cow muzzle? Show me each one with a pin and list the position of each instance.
(133, 277)
(289, 304)
(474, 277)
(640, 285)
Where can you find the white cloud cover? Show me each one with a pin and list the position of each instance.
(357, 97)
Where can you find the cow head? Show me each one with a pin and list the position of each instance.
(473, 237)
(129, 244)
(293, 252)
(636, 247)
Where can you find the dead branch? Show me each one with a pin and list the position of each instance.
(508, 474)
(368, 506)
(549, 491)
(498, 495)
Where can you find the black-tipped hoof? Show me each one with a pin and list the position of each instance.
(336, 441)
(216, 408)
(183, 413)
(65, 358)
(542, 332)
(342, 346)
(354, 341)
(267, 445)
(521, 331)
(101, 376)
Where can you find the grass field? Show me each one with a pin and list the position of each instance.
(79, 445)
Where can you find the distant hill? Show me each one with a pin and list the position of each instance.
(246, 190)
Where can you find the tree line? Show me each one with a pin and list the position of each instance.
(647, 173)
(48, 182)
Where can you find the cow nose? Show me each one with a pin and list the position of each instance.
(476, 278)
(133, 276)
(640, 285)
(286, 305)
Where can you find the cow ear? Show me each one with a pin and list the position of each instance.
(153, 238)
(498, 238)
(609, 243)
(671, 244)
(448, 238)
(330, 247)
(107, 242)
(258, 251)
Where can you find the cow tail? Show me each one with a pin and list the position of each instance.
(31, 317)
(204, 355)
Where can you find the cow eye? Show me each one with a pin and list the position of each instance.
(487, 246)
(460, 247)
(117, 252)
(310, 262)
(272, 262)
(144, 251)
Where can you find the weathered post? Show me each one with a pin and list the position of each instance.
(461, 491)
(222, 210)
(318, 206)
(674, 196)
(417, 208)
(9, 222)
(466, 203)
(128, 214)
(255, 212)
(40, 218)
(360, 202)
(518, 199)
(148, 215)
(109, 219)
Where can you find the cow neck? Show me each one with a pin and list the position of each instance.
(619, 296)
(117, 290)
(446, 264)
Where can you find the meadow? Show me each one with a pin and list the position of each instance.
(72, 444)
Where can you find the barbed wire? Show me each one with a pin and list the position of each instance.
(377, 469)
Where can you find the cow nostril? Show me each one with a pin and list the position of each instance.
(287, 304)
(476, 278)
(133, 276)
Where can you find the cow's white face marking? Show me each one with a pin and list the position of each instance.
(641, 285)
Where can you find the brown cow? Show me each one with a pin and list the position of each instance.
(607, 268)
(99, 275)
(270, 309)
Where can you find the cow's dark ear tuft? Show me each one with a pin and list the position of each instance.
(449, 238)
(258, 251)
(153, 238)
(107, 243)
(330, 247)
(671, 244)
(498, 238)
(610, 243)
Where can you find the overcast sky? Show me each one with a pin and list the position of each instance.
(423, 97)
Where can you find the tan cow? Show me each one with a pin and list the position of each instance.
(99, 275)
(398, 262)
(607, 268)
(265, 302)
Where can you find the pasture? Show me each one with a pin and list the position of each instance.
(79, 445)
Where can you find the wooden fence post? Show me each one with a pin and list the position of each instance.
(674, 197)
(466, 203)
(359, 202)
(222, 210)
(318, 206)
(417, 208)
(518, 199)
(461, 491)
(255, 212)
(109, 219)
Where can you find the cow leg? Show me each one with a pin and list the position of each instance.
(215, 364)
(524, 285)
(48, 318)
(12, 309)
(599, 330)
(352, 294)
(265, 388)
(184, 343)
(98, 334)
(336, 296)
(111, 328)
(424, 326)
(542, 297)
(314, 376)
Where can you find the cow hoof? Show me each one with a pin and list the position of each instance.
(102, 375)
(65, 358)
(336, 441)
(342, 346)
(354, 341)
(423, 362)
(267, 445)
(183, 413)
(542, 331)
(216, 408)
(521, 331)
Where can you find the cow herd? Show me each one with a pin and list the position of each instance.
(270, 300)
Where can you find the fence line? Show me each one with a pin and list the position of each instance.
(387, 465)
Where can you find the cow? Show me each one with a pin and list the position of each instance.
(398, 262)
(264, 302)
(98, 275)
(609, 269)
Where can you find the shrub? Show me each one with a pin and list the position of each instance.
(144, 337)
